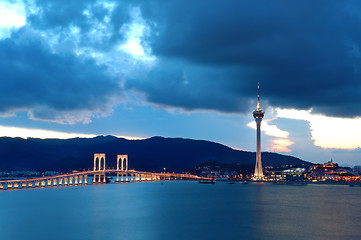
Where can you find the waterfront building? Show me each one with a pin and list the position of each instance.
(258, 116)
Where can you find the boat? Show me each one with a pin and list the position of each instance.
(207, 181)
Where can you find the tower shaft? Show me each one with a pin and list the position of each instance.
(258, 172)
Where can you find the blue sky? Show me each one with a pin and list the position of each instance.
(186, 69)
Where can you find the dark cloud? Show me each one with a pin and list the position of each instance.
(175, 83)
(306, 54)
(99, 22)
(210, 55)
(51, 86)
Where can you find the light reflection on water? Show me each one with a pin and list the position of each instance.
(182, 210)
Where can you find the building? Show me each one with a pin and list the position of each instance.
(258, 116)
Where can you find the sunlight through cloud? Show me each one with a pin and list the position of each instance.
(328, 132)
(134, 33)
(38, 133)
(280, 145)
(270, 130)
(6, 131)
(11, 15)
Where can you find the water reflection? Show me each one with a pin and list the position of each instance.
(182, 210)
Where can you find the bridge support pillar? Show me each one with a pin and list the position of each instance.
(119, 179)
(85, 179)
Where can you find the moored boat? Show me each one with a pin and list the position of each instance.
(207, 181)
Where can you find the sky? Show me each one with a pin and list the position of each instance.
(189, 69)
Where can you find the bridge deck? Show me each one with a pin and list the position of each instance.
(78, 176)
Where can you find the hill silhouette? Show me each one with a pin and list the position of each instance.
(152, 154)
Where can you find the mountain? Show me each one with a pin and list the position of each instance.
(153, 154)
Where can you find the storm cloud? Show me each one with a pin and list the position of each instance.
(305, 54)
(67, 65)
(51, 86)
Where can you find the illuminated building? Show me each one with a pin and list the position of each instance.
(258, 115)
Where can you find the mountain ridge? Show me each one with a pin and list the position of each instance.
(151, 154)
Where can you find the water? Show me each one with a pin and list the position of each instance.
(182, 210)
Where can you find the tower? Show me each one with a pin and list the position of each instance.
(258, 115)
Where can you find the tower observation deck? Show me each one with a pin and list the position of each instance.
(258, 116)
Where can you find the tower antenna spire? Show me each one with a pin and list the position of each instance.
(258, 104)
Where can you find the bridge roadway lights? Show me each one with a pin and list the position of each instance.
(99, 175)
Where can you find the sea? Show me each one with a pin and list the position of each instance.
(182, 210)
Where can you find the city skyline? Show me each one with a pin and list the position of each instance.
(143, 69)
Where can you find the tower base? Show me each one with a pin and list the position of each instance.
(258, 179)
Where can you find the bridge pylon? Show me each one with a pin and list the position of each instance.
(123, 167)
(99, 166)
(123, 158)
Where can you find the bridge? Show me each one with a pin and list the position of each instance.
(96, 176)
